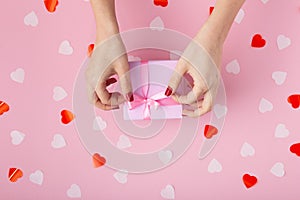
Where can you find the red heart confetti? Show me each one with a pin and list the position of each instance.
(14, 174)
(211, 9)
(258, 41)
(51, 5)
(4, 107)
(294, 100)
(295, 148)
(90, 50)
(98, 160)
(162, 3)
(249, 180)
(210, 131)
(66, 116)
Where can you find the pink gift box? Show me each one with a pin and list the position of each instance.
(149, 82)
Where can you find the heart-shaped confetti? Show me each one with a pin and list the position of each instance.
(31, 19)
(121, 176)
(214, 166)
(240, 16)
(281, 131)
(65, 48)
(162, 3)
(247, 150)
(98, 160)
(37, 177)
(168, 192)
(99, 124)
(66, 116)
(157, 24)
(51, 5)
(249, 180)
(14, 174)
(279, 77)
(17, 137)
(294, 100)
(211, 9)
(90, 50)
(210, 131)
(278, 169)
(264, 1)
(4, 107)
(58, 141)
(295, 148)
(18, 75)
(165, 156)
(265, 106)
(258, 41)
(283, 42)
(74, 191)
(220, 110)
(233, 67)
(59, 93)
(123, 142)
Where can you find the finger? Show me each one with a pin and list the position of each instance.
(92, 96)
(102, 106)
(205, 107)
(110, 81)
(197, 104)
(191, 97)
(124, 77)
(176, 78)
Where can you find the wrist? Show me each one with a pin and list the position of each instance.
(106, 30)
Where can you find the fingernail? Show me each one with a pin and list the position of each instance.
(168, 91)
(115, 108)
(129, 97)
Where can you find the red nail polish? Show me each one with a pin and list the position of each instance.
(168, 91)
(129, 97)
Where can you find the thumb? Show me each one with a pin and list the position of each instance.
(125, 82)
(176, 78)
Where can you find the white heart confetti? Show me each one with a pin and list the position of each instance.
(265, 105)
(58, 141)
(65, 48)
(283, 42)
(31, 19)
(17, 137)
(247, 150)
(59, 93)
(281, 131)
(99, 124)
(123, 142)
(121, 176)
(165, 156)
(214, 166)
(278, 169)
(279, 77)
(240, 16)
(233, 67)
(18, 75)
(37, 177)
(74, 191)
(168, 192)
(220, 110)
(157, 24)
(264, 1)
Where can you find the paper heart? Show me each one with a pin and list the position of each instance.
(123, 142)
(59, 93)
(66, 116)
(295, 148)
(220, 110)
(278, 169)
(210, 131)
(165, 156)
(168, 192)
(214, 166)
(283, 42)
(281, 131)
(58, 141)
(121, 176)
(294, 100)
(258, 41)
(247, 150)
(18, 75)
(4, 107)
(37, 177)
(279, 77)
(98, 160)
(90, 50)
(14, 174)
(211, 9)
(17, 137)
(249, 180)
(240, 16)
(51, 5)
(157, 24)
(233, 67)
(74, 191)
(99, 124)
(31, 19)
(65, 48)
(264, 1)
(162, 3)
(265, 106)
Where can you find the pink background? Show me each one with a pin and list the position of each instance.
(34, 112)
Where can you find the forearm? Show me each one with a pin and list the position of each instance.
(105, 16)
(222, 17)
